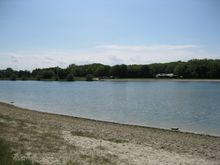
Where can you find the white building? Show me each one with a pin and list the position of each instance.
(165, 75)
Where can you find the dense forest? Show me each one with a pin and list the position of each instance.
(205, 68)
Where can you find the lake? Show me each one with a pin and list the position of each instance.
(192, 106)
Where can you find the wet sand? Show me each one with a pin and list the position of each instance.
(58, 139)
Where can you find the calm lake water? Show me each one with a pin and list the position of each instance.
(189, 105)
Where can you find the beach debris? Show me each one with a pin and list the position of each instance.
(175, 129)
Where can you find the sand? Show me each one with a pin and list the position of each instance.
(57, 139)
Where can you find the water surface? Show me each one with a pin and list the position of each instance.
(190, 105)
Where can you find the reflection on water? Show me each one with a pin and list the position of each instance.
(191, 106)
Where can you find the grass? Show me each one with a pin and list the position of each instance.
(71, 162)
(95, 159)
(47, 142)
(83, 134)
(92, 135)
(47, 139)
(99, 159)
(26, 135)
(6, 156)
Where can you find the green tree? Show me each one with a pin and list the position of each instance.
(47, 74)
(13, 77)
(134, 71)
(102, 70)
(70, 77)
(119, 71)
(145, 71)
(72, 69)
(182, 70)
(89, 77)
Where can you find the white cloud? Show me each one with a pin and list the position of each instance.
(106, 54)
(146, 47)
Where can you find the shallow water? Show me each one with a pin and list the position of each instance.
(190, 105)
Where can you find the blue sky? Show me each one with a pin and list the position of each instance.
(43, 33)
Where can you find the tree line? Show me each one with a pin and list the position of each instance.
(204, 68)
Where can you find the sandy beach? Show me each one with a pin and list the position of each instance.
(58, 139)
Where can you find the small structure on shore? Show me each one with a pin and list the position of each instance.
(165, 75)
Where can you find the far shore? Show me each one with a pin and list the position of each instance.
(58, 139)
(121, 79)
(163, 79)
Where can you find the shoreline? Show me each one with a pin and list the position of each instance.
(164, 79)
(124, 79)
(54, 139)
(113, 122)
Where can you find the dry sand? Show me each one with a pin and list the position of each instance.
(58, 139)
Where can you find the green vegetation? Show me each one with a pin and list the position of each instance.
(95, 159)
(89, 77)
(92, 135)
(70, 77)
(6, 156)
(205, 68)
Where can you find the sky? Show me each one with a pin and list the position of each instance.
(48, 33)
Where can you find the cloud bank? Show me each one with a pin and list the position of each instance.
(107, 54)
